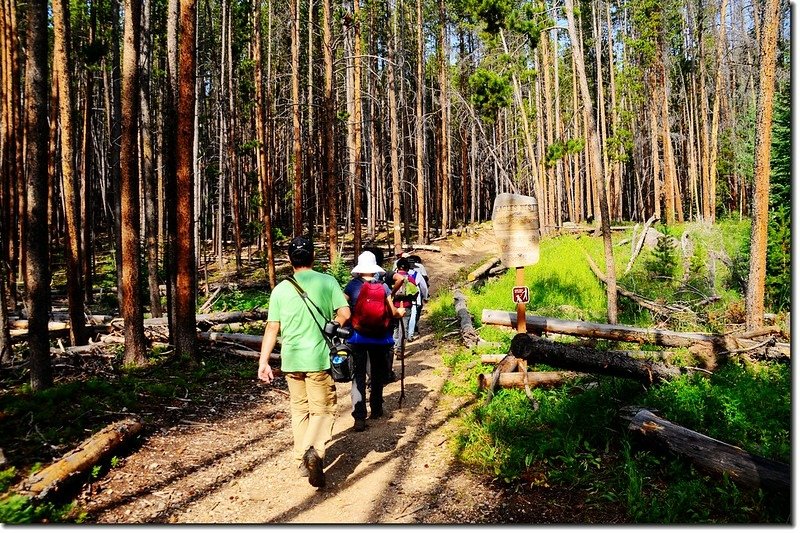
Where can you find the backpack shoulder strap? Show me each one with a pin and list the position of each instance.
(304, 295)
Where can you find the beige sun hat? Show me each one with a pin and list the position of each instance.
(367, 264)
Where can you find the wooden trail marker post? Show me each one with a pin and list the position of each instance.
(515, 219)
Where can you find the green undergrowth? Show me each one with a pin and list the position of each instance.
(242, 300)
(576, 439)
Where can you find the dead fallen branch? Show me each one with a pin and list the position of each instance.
(237, 344)
(614, 332)
(425, 247)
(637, 250)
(90, 452)
(659, 309)
(206, 319)
(581, 359)
(515, 380)
(469, 337)
(708, 454)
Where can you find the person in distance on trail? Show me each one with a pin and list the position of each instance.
(305, 357)
(422, 297)
(371, 313)
(404, 281)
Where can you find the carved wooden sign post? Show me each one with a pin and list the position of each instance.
(515, 219)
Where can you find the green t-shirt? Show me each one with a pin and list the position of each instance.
(303, 349)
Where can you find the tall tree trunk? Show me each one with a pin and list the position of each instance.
(87, 172)
(754, 303)
(169, 135)
(62, 67)
(297, 154)
(328, 131)
(185, 300)
(233, 159)
(419, 129)
(357, 121)
(714, 141)
(393, 127)
(129, 189)
(148, 173)
(37, 265)
(444, 109)
(577, 52)
(261, 106)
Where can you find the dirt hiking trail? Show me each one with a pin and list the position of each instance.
(234, 465)
(227, 459)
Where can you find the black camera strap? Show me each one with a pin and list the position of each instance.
(306, 300)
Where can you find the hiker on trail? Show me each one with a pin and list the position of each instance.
(405, 289)
(422, 297)
(305, 355)
(371, 317)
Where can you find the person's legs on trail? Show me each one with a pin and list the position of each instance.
(313, 407)
(378, 377)
(359, 386)
(398, 332)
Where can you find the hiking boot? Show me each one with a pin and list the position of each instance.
(313, 463)
(376, 413)
(360, 424)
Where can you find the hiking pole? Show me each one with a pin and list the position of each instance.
(402, 363)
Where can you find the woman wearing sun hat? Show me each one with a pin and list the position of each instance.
(372, 343)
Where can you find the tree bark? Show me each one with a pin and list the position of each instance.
(149, 178)
(328, 146)
(754, 301)
(469, 337)
(297, 153)
(419, 129)
(538, 324)
(709, 454)
(36, 233)
(393, 135)
(185, 299)
(261, 106)
(99, 446)
(514, 380)
(357, 124)
(596, 164)
(537, 350)
(62, 66)
(131, 304)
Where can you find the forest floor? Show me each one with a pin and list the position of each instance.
(228, 458)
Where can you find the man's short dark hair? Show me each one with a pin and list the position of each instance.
(403, 264)
(301, 252)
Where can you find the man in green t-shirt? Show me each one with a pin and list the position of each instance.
(305, 355)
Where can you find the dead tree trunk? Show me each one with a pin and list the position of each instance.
(550, 353)
(468, 334)
(674, 339)
(79, 460)
(709, 454)
(515, 380)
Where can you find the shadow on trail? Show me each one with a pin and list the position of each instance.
(182, 473)
(343, 475)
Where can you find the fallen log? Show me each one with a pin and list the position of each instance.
(614, 332)
(492, 358)
(211, 318)
(57, 330)
(87, 454)
(469, 337)
(483, 269)
(762, 332)
(709, 454)
(252, 343)
(515, 380)
(581, 359)
(425, 247)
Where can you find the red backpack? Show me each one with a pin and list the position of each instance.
(371, 314)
